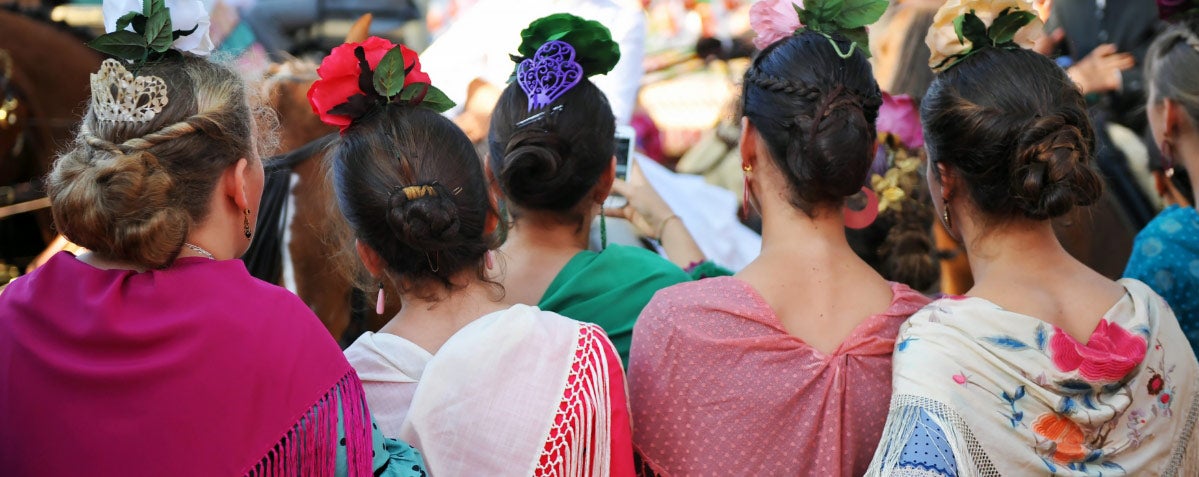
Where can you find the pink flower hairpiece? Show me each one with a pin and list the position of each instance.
(773, 20)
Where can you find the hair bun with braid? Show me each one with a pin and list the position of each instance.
(1051, 174)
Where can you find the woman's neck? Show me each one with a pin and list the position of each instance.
(430, 322)
(819, 241)
(1014, 249)
(532, 232)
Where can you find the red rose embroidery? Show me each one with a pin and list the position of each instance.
(339, 73)
(1108, 356)
(1156, 383)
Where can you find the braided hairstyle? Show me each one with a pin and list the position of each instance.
(411, 186)
(1172, 65)
(816, 113)
(1015, 129)
(131, 191)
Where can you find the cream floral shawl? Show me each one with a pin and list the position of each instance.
(1016, 396)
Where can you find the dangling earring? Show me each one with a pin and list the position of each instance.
(860, 219)
(247, 225)
(946, 220)
(487, 260)
(746, 168)
(379, 301)
(603, 231)
(1167, 150)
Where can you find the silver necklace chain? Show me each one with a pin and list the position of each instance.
(201, 251)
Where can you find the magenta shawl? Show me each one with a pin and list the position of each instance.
(719, 387)
(198, 369)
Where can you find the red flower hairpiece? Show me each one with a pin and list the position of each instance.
(357, 77)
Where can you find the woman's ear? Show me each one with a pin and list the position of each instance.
(949, 181)
(370, 258)
(604, 187)
(749, 143)
(493, 182)
(236, 182)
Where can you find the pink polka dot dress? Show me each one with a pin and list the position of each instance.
(719, 387)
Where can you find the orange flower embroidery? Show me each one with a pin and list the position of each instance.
(1065, 433)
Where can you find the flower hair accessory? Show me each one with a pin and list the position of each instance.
(556, 53)
(774, 20)
(963, 27)
(139, 31)
(357, 78)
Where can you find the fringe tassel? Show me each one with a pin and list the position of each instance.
(310, 447)
(905, 412)
(1185, 460)
(580, 441)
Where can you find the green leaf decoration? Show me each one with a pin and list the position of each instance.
(970, 27)
(436, 100)
(389, 73)
(860, 37)
(860, 13)
(1005, 27)
(594, 49)
(177, 34)
(824, 13)
(158, 31)
(121, 44)
(126, 20)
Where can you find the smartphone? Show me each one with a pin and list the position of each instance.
(625, 139)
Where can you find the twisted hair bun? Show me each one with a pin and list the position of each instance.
(1051, 174)
(424, 217)
(118, 205)
(532, 176)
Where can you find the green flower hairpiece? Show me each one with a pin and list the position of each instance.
(847, 17)
(597, 52)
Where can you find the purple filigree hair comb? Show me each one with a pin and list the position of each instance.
(549, 74)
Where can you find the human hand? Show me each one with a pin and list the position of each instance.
(1046, 44)
(1099, 71)
(645, 209)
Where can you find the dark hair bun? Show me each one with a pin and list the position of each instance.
(533, 176)
(1051, 175)
(424, 217)
(816, 113)
(1015, 128)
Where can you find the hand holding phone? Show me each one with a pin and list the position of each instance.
(625, 139)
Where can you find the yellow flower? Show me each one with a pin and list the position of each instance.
(888, 190)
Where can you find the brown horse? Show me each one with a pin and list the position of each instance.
(317, 252)
(48, 80)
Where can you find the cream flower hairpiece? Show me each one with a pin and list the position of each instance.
(187, 16)
(962, 27)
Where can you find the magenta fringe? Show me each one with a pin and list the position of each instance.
(310, 447)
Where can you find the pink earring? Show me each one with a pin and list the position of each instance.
(860, 219)
(487, 260)
(379, 300)
(745, 191)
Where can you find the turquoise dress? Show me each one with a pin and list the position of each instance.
(1166, 257)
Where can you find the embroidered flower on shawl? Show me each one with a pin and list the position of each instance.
(1111, 353)
(1155, 385)
(1066, 435)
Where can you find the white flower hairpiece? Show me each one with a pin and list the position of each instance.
(185, 15)
(962, 27)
